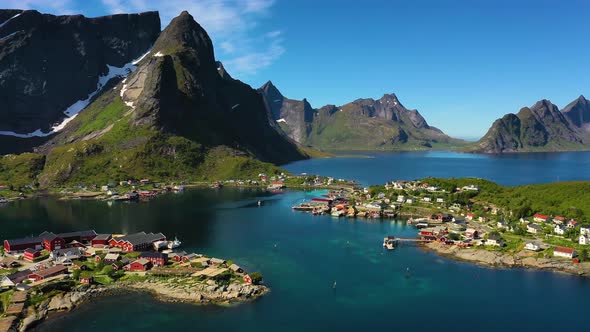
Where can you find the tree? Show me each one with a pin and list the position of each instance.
(583, 254)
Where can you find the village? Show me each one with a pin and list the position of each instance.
(35, 269)
(442, 218)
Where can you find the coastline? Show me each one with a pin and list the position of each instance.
(222, 295)
(497, 259)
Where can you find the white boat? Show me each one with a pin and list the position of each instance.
(174, 244)
(160, 245)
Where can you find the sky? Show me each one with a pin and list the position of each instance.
(461, 63)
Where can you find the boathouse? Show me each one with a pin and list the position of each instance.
(137, 242)
(101, 239)
(12, 279)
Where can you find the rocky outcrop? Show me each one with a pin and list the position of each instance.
(48, 63)
(541, 127)
(201, 293)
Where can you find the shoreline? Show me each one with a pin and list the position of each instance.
(495, 259)
(63, 304)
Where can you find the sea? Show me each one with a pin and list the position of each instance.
(325, 273)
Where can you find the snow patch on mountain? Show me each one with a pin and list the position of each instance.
(72, 111)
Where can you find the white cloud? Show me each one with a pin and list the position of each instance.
(51, 6)
(230, 23)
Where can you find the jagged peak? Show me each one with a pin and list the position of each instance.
(222, 71)
(182, 33)
(271, 90)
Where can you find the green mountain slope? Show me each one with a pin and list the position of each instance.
(175, 117)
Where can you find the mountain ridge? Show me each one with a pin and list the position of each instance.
(363, 124)
(541, 127)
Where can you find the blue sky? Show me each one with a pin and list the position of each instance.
(461, 63)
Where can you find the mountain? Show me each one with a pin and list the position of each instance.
(578, 113)
(177, 115)
(50, 66)
(542, 127)
(364, 124)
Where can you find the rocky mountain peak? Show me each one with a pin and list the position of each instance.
(578, 113)
(184, 33)
(269, 90)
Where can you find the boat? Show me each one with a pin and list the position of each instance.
(389, 242)
(216, 185)
(160, 245)
(179, 188)
(422, 224)
(174, 244)
(3, 200)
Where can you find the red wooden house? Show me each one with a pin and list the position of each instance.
(52, 242)
(32, 254)
(156, 258)
(101, 239)
(140, 265)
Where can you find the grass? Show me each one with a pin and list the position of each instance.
(5, 298)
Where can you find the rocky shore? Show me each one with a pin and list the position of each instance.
(522, 259)
(208, 293)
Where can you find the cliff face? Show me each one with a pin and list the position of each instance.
(541, 127)
(364, 124)
(48, 64)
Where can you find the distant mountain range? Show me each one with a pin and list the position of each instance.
(542, 127)
(364, 124)
(174, 113)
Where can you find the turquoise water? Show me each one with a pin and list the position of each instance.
(373, 289)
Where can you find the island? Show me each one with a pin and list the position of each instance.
(55, 272)
(541, 226)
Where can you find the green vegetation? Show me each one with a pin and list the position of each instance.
(5, 298)
(18, 171)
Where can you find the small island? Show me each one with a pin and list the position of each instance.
(542, 226)
(57, 272)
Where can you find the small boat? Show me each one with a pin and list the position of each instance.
(178, 188)
(217, 185)
(174, 244)
(3, 200)
(259, 203)
(389, 242)
(160, 245)
(422, 224)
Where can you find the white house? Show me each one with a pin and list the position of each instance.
(495, 240)
(584, 240)
(532, 246)
(560, 230)
(533, 228)
(427, 199)
(440, 200)
(559, 220)
(585, 230)
(400, 198)
(564, 252)
(409, 201)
